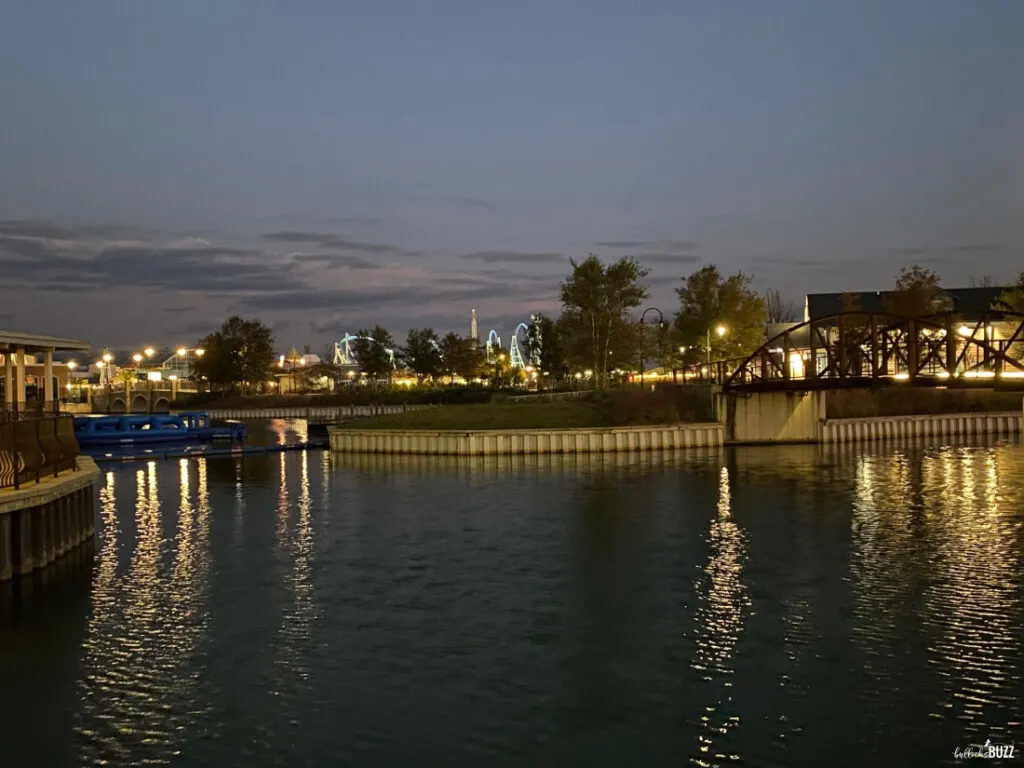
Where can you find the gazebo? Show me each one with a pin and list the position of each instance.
(14, 347)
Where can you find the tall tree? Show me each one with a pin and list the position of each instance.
(462, 356)
(544, 348)
(1012, 298)
(779, 309)
(708, 302)
(917, 292)
(239, 355)
(598, 297)
(422, 352)
(370, 351)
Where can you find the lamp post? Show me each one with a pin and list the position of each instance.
(661, 324)
(720, 332)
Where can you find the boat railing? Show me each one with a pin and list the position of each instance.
(36, 441)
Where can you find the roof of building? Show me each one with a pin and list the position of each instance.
(966, 300)
(33, 342)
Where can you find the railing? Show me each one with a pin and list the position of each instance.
(715, 372)
(36, 441)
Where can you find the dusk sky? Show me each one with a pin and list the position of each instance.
(330, 165)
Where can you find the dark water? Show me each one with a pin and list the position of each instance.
(766, 607)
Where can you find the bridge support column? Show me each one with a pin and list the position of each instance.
(771, 417)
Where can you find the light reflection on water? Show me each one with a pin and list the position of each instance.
(720, 610)
(753, 605)
(139, 655)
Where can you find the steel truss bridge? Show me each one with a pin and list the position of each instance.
(862, 349)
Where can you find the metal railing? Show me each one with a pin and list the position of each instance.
(36, 441)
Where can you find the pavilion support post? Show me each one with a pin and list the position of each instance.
(19, 377)
(50, 390)
(8, 377)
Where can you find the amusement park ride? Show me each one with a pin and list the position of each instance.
(343, 348)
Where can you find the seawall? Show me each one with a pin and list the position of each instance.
(525, 441)
(42, 522)
(997, 423)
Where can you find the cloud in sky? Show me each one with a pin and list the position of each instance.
(514, 257)
(669, 258)
(678, 246)
(337, 242)
(334, 260)
(181, 282)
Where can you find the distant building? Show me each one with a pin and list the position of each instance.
(966, 301)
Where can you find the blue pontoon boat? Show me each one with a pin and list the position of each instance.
(158, 428)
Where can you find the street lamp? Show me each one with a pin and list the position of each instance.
(137, 358)
(182, 351)
(720, 331)
(149, 352)
(661, 324)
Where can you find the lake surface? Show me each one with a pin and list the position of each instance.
(761, 606)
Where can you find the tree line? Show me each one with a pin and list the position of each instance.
(600, 330)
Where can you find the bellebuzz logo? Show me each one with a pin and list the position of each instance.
(988, 751)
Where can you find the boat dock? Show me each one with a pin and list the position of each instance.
(212, 452)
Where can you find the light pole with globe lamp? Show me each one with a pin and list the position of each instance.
(720, 332)
(661, 324)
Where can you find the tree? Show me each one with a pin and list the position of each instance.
(422, 352)
(371, 354)
(240, 355)
(598, 298)
(708, 302)
(544, 348)
(778, 309)
(917, 292)
(462, 356)
(1012, 298)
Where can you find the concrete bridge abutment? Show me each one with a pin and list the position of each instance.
(770, 417)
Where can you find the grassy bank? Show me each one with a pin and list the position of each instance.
(604, 409)
(895, 401)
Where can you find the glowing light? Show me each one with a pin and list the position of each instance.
(901, 376)
(154, 376)
(1012, 375)
(942, 375)
(200, 352)
(979, 374)
(588, 373)
(100, 364)
(965, 331)
(182, 352)
(137, 357)
(107, 357)
(720, 330)
(796, 365)
(173, 377)
(149, 351)
(72, 364)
